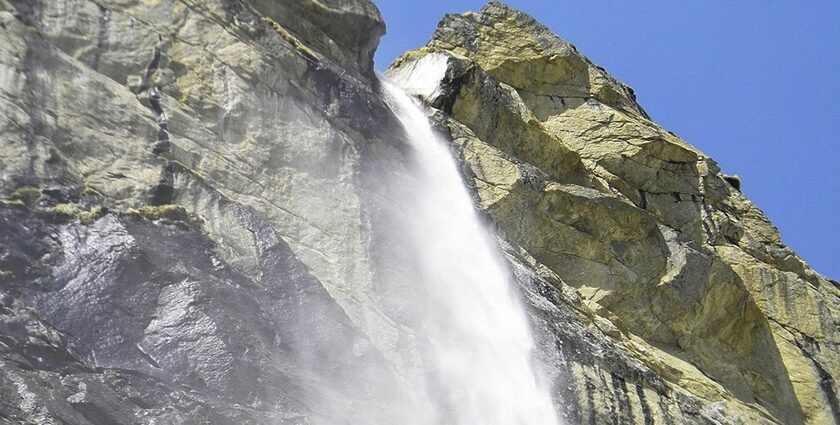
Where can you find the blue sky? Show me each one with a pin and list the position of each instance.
(753, 84)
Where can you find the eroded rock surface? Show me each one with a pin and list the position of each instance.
(196, 198)
(183, 237)
(671, 263)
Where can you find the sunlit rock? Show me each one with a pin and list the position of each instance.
(662, 249)
(204, 214)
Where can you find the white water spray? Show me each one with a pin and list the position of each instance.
(478, 345)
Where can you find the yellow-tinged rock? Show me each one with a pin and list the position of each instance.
(659, 245)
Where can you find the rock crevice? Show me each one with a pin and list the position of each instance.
(198, 199)
(642, 225)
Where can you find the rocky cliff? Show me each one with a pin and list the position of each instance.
(196, 207)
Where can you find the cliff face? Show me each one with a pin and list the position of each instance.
(677, 269)
(183, 236)
(196, 201)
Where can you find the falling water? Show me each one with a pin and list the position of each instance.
(479, 348)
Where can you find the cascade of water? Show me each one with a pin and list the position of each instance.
(475, 331)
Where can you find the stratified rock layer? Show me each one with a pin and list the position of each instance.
(672, 264)
(183, 238)
(198, 212)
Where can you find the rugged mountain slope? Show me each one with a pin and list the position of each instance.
(183, 239)
(669, 259)
(196, 207)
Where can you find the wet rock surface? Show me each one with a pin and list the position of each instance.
(170, 176)
(141, 300)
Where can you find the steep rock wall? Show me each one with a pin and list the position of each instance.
(196, 198)
(182, 198)
(670, 261)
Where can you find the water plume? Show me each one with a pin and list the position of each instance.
(473, 331)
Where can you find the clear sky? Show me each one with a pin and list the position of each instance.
(754, 84)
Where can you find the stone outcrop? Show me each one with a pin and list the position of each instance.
(183, 237)
(195, 199)
(671, 263)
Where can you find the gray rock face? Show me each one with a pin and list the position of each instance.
(198, 213)
(157, 157)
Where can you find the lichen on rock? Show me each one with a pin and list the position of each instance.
(662, 249)
(196, 198)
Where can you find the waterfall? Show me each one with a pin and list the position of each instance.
(477, 342)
